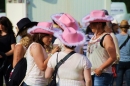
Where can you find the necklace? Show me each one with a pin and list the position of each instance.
(98, 34)
(48, 48)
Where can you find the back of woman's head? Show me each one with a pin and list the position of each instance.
(26, 40)
(7, 24)
(24, 32)
(124, 25)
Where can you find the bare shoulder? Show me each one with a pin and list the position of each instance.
(19, 47)
(35, 45)
(108, 37)
(108, 41)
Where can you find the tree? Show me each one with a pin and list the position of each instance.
(2, 5)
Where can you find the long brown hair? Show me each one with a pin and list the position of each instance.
(38, 38)
(7, 25)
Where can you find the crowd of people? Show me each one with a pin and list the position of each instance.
(98, 57)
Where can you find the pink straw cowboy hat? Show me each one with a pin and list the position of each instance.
(97, 16)
(71, 37)
(43, 27)
(65, 20)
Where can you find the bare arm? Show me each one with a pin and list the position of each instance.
(10, 52)
(81, 51)
(48, 72)
(18, 54)
(110, 48)
(87, 76)
(38, 55)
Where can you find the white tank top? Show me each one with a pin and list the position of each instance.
(35, 77)
(97, 55)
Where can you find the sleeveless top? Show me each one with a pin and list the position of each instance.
(35, 77)
(97, 55)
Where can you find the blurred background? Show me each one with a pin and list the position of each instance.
(41, 10)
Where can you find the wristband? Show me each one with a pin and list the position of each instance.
(50, 54)
(101, 69)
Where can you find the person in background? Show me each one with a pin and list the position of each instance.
(115, 26)
(124, 62)
(54, 26)
(20, 49)
(7, 43)
(89, 35)
(38, 54)
(111, 28)
(75, 71)
(101, 48)
(23, 25)
(60, 20)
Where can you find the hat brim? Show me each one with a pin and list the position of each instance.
(27, 25)
(88, 19)
(45, 30)
(80, 42)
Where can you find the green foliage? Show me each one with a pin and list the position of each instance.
(127, 2)
(2, 5)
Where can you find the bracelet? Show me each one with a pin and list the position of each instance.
(50, 54)
(101, 69)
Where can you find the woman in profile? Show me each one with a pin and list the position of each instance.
(38, 54)
(101, 49)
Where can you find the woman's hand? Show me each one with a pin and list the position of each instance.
(57, 48)
(0, 56)
(98, 71)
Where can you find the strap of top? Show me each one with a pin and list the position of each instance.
(101, 41)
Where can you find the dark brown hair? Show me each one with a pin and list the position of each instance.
(7, 25)
(72, 47)
(38, 38)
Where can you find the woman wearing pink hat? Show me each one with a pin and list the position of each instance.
(101, 49)
(36, 54)
(76, 68)
(64, 20)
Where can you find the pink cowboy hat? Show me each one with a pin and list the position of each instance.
(65, 20)
(97, 16)
(71, 37)
(43, 27)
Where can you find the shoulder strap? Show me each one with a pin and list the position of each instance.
(101, 41)
(27, 75)
(124, 43)
(61, 62)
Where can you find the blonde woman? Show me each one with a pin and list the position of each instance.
(20, 48)
(124, 62)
